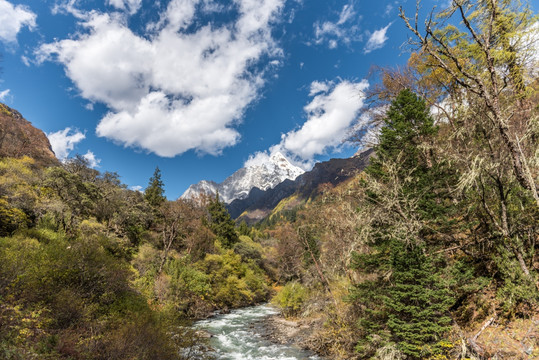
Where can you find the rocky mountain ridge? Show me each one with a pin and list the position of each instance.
(259, 203)
(263, 176)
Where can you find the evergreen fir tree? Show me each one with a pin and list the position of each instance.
(404, 139)
(417, 302)
(154, 193)
(407, 124)
(221, 223)
(244, 229)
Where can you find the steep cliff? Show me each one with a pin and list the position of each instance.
(19, 138)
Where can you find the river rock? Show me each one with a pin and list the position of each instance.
(204, 334)
(286, 323)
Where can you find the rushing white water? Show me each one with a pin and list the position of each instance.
(234, 338)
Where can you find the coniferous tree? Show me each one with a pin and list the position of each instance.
(222, 224)
(406, 124)
(406, 141)
(406, 187)
(417, 303)
(244, 229)
(154, 193)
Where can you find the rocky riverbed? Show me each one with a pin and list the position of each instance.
(288, 332)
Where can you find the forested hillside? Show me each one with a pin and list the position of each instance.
(91, 270)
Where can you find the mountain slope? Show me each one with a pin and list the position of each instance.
(238, 185)
(19, 138)
(260, 203)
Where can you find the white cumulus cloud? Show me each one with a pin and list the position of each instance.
(377, 39)
(64, 141)
(344, 29)
(171, 90)
(93, 162)
(257, 159)
(318, 87)
(13, 19)
(330, 115)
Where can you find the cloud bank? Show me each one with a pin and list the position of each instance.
(4, 94)
(13, 19)
(181, 85)
(132, 6)
(93, 161)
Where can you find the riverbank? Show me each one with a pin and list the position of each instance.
(293, 332)
(509, 340)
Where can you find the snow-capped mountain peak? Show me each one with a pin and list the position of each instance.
(264, 176)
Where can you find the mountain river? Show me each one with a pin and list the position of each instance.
(235, 337)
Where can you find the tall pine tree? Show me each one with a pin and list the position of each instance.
(221, 223)
(154, 193)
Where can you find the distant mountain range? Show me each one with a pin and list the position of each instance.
(252, 192)
(237, 186)
(260, 203)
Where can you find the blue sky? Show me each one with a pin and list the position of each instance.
(196, 87)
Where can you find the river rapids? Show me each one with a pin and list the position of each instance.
(235, 337)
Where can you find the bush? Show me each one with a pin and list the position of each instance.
(249, 250)
(234, 282)
(188, 288)
(291, 298)
(71, 298)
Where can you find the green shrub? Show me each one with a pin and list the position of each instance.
(291, 298)
(234, 282)
(249, 250)
(71, 298)
(188, 288)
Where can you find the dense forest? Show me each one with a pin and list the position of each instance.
(430, 253)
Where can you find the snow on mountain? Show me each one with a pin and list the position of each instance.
(237, 186)
(204, 186)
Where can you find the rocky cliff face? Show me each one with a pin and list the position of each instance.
(19, 138)
(238, 185)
